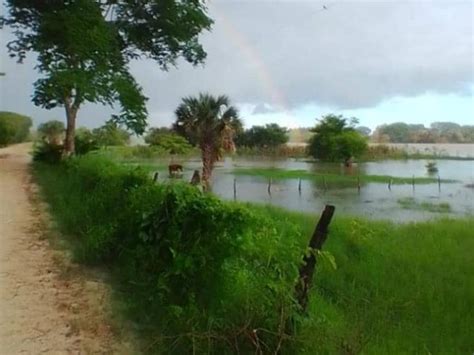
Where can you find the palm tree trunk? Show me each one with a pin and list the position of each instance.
(207, 165)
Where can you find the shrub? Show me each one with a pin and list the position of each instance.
(168, 141)
(85, 141)
(14, 128)
(47, 152)
(52, 132)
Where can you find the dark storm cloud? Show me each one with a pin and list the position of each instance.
(290, 53)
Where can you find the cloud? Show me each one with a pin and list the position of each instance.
(283, 55)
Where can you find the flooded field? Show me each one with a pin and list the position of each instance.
(400, 202)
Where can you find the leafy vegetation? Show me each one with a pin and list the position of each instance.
(276, 173)
(268, 136)
(14, 128)
(410, 203)
(210, 123)
(167, 140)
(51, 132)
(438, 132)
(198, 274)
(85, 58)
(336, 139)
(110, 134)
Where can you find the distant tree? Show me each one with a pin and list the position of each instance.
(85, 141)
(335, 139)
(14, 128)
(270, 135)
(211, 122)
(84, 48)
(365, 131)
(170, 141)
(52, 132)
(110, 134)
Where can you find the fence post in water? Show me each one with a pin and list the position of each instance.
(269, 189)
(358, 184)
(155, 176)
(309, 260)
(439, 184)
(235, 189)
(299, 186)
(413, 182)
(390, 184)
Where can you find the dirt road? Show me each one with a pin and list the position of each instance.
(47, 305)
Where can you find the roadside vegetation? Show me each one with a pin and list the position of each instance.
(194, 273)
(14, 128)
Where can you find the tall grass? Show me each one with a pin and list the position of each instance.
(197, 274)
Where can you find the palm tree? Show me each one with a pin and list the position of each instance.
(210, 123)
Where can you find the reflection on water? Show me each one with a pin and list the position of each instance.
(374, 200)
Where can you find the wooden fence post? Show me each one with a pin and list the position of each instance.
(390, 184)
(299, 186)
(269, 189)
(235, 189)
(309, 260)
(155, 176)
(439, 184)
(358, 184)
(413, 182)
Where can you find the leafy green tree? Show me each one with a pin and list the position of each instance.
(14, 128)
(84, 48)
(52, 131)
(211, 122)
(270, 135)
(110, 134)
(85, 141)
(335, 138)
(170, 141)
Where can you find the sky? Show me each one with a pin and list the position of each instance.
(292, 61)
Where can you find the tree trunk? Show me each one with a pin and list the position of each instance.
(71, 113)
(207, 165)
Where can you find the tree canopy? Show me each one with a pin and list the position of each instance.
(270, 135)
(110, 134)
(168, 140)
(335, 138)
(211, 123)
(85, 58)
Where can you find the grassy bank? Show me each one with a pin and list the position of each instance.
(280, 174)
(197, 274)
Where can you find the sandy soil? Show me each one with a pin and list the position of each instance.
(47, 304)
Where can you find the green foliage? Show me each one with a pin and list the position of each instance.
(14, 128)
(46, 152)
(431, 167)
(335, 139)
(52, 131)
(85, 141)
(168, 141)
(270, 135)
(198, 274)
(110, 134)
(85, 58)
(410, 203)
(332, 178)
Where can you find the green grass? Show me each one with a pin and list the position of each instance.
(409, 203)
(280, 174)
(397, 289)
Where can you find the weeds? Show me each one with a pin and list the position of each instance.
(410, 203)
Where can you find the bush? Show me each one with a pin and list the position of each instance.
(178, 252)
(14, 128)
(168, 141)
(85, 141)
(52, 132)
(47, 152)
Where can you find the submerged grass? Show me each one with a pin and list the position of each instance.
(409, 203)
(395, 289)
(281, 174)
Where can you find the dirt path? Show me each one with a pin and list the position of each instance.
(47, 305)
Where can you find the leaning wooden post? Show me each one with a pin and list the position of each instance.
(235, 189)
(439, 184)
(390, 184)
(309, 260)
(413, 182)
(299, 186)
(155, 176)
(269, 189)
(358, 184)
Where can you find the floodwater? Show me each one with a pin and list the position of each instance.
(375, 200)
